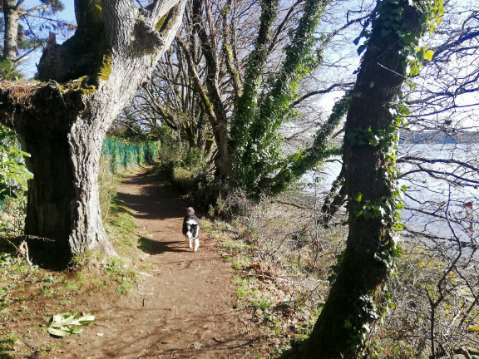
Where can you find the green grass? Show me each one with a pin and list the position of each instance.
(250, 294)
(7, 343)
(233, 245)
(120, 273)
(32, 294)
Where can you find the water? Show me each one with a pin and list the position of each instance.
(442, 198)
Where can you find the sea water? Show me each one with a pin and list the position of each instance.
(441, 199)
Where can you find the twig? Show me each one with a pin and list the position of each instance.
(290, 204)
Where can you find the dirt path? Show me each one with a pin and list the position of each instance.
(184, 307)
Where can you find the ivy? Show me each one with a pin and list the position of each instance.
(389, 20)
(391, 23)
(246, 106)
(13, 172)
(258, 117)
(9, 72)
(301, 162)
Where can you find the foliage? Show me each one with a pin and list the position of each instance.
(423, 272)
(388, 20)
(412, 54)
(257, 153)
(186, 168)
(300, 162)
(121, 274)
(107, 183)
(13, 172)
(374, 200)
(7, 343)
(281, 259)
(68, 323)
(246, 98)
(247, 103)
(9, 72)
(12, 215)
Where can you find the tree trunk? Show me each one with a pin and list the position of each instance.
(220, 124)
(10, 37)
(352, 304)
(63, 215)
(63, 126)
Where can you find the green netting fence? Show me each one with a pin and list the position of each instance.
(121, 155)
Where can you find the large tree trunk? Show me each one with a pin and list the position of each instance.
(10, 37)
(352, 304)
(63, 126)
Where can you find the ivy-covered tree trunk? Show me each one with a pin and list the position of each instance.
(63, 123)
(353, 302)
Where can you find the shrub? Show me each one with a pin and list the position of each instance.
(184, 179)
(13, 182)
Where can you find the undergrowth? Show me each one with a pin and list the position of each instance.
(192, 175)
(279, 280)
(283, 259)
(30, 295)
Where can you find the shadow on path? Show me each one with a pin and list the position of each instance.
(185, 304)
(153, 247)
(157, 200)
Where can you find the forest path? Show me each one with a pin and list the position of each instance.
(184, 305)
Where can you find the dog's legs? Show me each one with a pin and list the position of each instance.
(190, 239)
(197, 244)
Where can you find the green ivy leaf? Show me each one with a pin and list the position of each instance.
(359, 197)
(428, 55)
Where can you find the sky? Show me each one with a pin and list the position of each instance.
(69, 12)
(29, 67)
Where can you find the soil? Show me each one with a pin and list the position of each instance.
(184, 306)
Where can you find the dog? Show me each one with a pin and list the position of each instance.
(191, 228)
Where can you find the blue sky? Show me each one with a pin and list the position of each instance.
(29, 67)
(69, 12)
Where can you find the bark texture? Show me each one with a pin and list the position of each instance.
(114, 50)
(351, 306)
(212, 84)
(10, 37)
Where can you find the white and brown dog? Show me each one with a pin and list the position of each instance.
(191, 228)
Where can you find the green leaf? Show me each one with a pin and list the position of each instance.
(86, 319)
(68, 323)
(359, 197)
(404, 110)
(374, 140)
(473, 328)
(428, 55)
(57, 332)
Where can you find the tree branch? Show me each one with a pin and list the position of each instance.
(342, 86)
